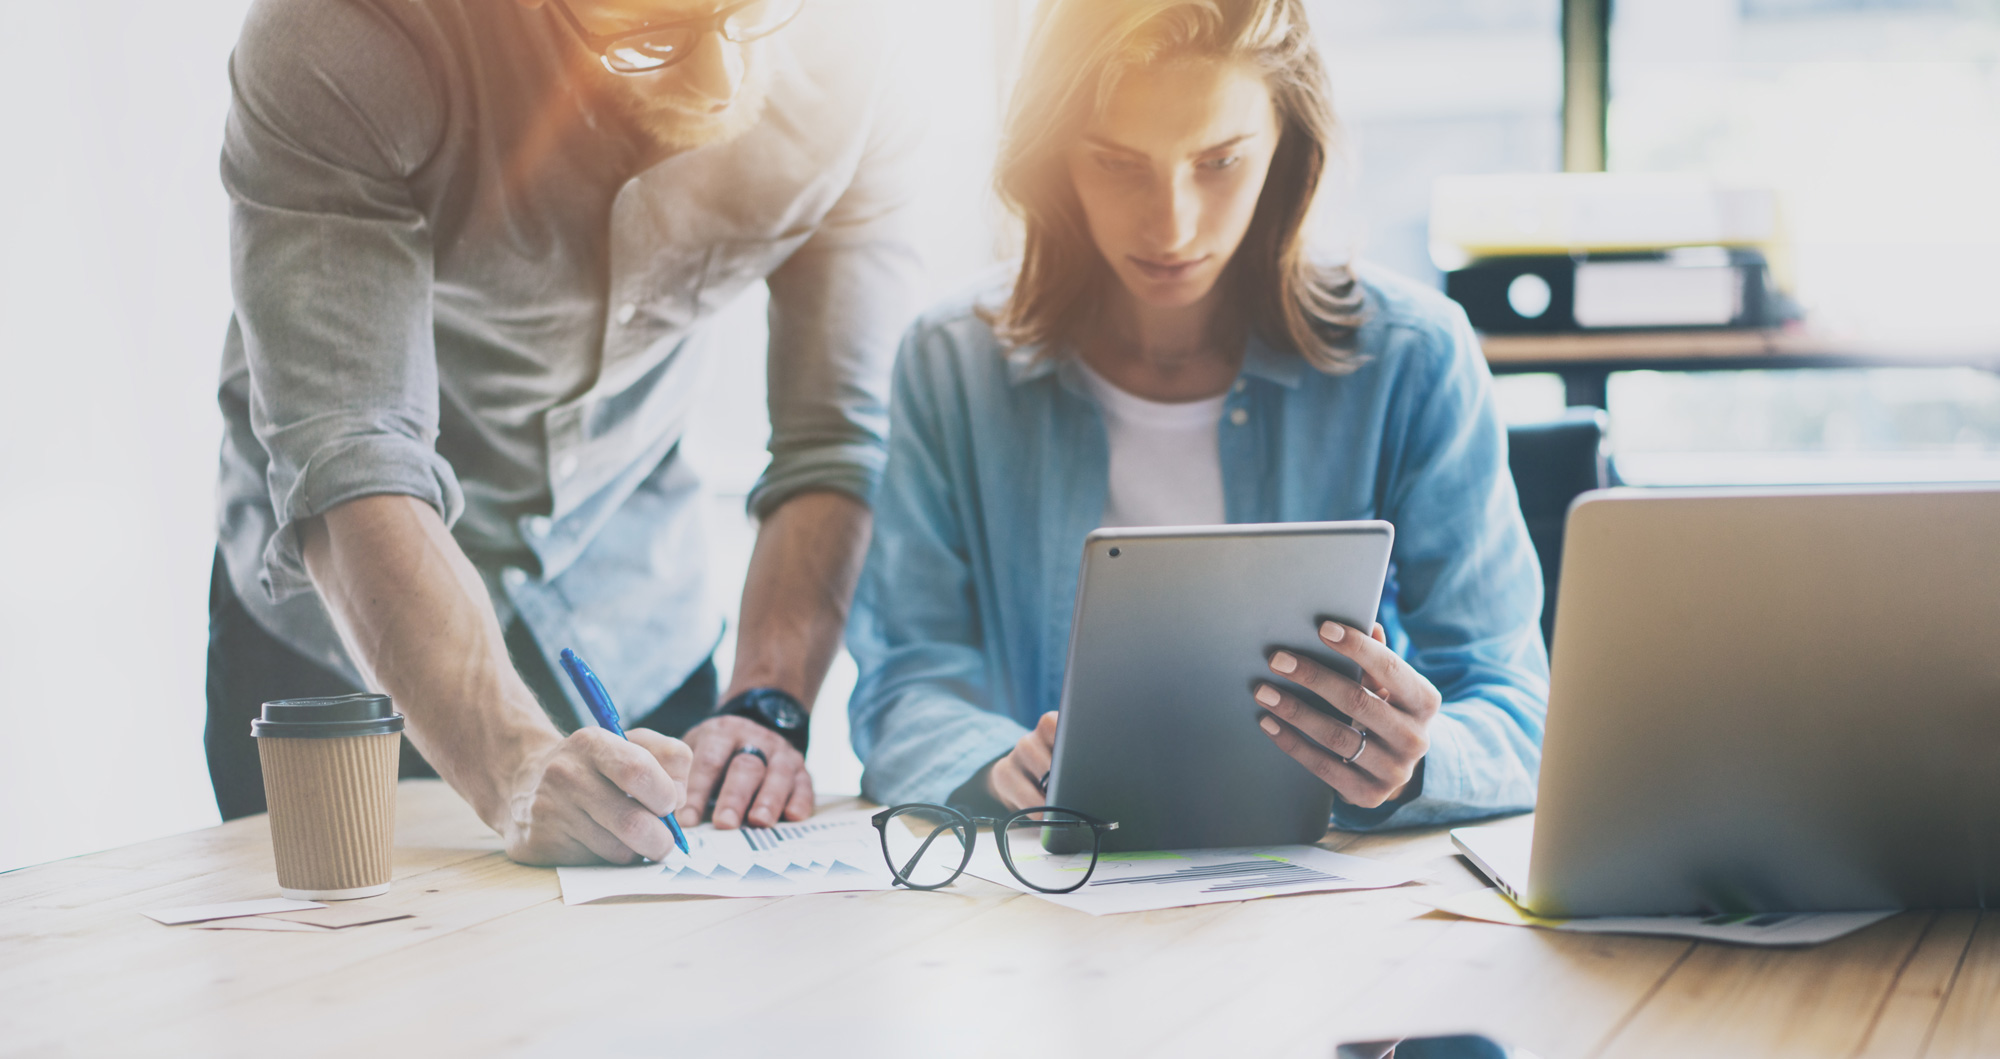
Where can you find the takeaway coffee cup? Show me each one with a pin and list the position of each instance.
(330, 780)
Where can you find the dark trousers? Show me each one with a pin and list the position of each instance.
(248, 667)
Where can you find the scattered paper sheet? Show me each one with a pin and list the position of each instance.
(261, 923)
(346, 914)
(228, 910)
(829, 853)
(1761, 928)
(1139, 882)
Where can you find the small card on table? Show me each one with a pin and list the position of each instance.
(354, 914)
(228, 910)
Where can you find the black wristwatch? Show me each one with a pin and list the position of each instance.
(774, 709)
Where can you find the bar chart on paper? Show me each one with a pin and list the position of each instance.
(829, 853)
(1138, 882)
(1258, 874)
(765, 839)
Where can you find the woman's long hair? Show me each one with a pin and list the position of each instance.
(1079, 50)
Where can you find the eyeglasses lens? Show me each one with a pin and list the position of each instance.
(634, 55)
(760, 19)
(1054, 850)
(925, 847)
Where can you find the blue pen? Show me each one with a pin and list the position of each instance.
(594, 697)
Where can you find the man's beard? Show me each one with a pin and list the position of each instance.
(674, 129)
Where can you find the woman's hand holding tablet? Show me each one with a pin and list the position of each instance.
(1018, 779)
(1373, 760)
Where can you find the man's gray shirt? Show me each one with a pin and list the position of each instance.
(458, 277)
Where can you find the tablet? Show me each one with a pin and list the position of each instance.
(1173, 625)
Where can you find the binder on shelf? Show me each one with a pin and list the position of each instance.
(1684, 287)
(1554, 252)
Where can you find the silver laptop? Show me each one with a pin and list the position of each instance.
(1768, 701)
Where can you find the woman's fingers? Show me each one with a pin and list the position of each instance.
(1395, 678)
(1344, 741)
(1385, 766)
(1012, 784)
(1351, 783)
(1374, 759)
(1386, 724)
(1035, 752)
(1016, 780)
(1045, 730)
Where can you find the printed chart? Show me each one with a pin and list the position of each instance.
(1769, 928)
(1138, 882)
(1256, 874)
(829, 853)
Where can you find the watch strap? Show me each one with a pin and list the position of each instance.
(740, 705)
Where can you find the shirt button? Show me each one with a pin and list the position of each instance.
(1240, 386)
(626, 312)
(514, 577)
(1239, 416)
(566, 467)
(538, 526)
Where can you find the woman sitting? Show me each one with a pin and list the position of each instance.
(1167, 354)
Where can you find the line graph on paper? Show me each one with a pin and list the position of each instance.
(837, 851)
(1230, 876)
(774, 878)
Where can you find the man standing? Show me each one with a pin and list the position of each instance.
(473, 243)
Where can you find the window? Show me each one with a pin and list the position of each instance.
(1426, 88)
(1877, 120)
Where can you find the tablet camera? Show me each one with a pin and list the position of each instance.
(1114, 553)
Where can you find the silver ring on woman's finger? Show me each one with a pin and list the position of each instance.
(1362, 733)
(753, 752)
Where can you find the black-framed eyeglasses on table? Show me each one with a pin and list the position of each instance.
(658, 46)
(1049, 848)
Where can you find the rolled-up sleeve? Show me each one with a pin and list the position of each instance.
(925, 715)
(332, 110)
(1468, 588)
(837, 306)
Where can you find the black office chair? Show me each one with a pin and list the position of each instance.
(1552, 463)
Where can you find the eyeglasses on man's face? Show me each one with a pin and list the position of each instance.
(1050, 849)
(657, 46)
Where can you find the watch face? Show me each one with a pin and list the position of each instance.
(779, 709)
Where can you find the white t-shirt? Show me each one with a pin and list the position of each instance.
(1165, 467)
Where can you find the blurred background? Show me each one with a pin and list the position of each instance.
(1877, 122)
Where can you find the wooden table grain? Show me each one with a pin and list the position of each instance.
(492, 963)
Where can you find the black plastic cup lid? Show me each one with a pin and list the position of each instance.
(333, 717)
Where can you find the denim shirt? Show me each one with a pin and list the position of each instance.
(998, 467)
(460, 277)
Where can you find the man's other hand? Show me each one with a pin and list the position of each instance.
(746, 790)
(593, 796)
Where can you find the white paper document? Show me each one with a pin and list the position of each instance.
(829, 853)
(1757, 928)
(1139, 882)
(228, 910)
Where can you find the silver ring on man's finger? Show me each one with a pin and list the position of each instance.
(1362, 733)
(753, 752)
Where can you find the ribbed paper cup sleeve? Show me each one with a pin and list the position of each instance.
(333, 813)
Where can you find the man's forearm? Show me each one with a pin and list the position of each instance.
(416, 620)
(795, 599)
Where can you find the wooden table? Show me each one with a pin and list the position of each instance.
(493, 963)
